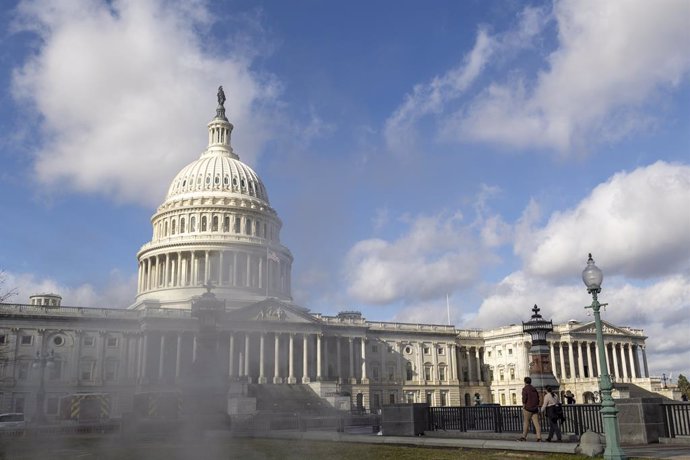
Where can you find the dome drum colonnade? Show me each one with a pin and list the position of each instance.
(216, 225)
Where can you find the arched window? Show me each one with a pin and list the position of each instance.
(214, 226)
(248, 227)
(192, 224)
(165, 228)
(226, 224)
(173, 225)
(265, 235)
(237, 224)
(408, 371)
(182, 229)
(204, 223)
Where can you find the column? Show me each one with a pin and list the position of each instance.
(644, 361)
(318, 357)
(339, 360)
(178, 356)
(193, 269)
(434, 361)
(590, 362)
(609, 369)
(401, 368)
(453, 362)
(207, 261)
(262, 377)
(353, 380)
(479, 365)
(166, 277)
(571, 356)
(598, 356)
(326, 373)
(614, 356)
(631, 357)
(276, 357)
(246, 355)
(144, 356)
(552, 346)
(561, 354)
(291, 360)
(161, 358)
(100, 358)
(623, 362)
(231, 356)
(364, 361)
(76, 356)
(179, 269)
(580, 360)
(469, 365)
(305, 359)
(220, 268)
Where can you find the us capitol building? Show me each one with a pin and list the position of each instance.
(216, 233)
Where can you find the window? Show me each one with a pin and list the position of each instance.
(111, 370)
(441, 350)
(510, 351)
(173, 227)
(216, 180)
(512, 374)
(430, 398)
(88, 341)
(112, 342)
(204, 223)
(408, 371)
(165, 228)
(248, 227)
(488, 354)
(237, 225)
(27, 339)
(427, 350)
(58, 341)
(374, 349)
(192, 224)
(226, 224)
(408, 350)
(375, 373)
(427, 373)
(503, 399)
(214, 226)
(500, 352)
(391, 373)
(3, 339)
(86, 369)
(442, 373)
(513, 399)
(55, 372)
(23, 370)
(391, 398)
(182, 229)
(500, 375)
(444, 398)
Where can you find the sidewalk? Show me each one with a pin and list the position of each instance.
(650, 451)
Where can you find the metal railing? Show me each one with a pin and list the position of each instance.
(508, 419)
(677, 419)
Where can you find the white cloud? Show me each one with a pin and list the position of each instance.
(118, 291)
(613, 58)
(432, 98)
(123, 91)
(436, 256)
(636, 224)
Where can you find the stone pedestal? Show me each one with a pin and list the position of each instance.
(641, 420)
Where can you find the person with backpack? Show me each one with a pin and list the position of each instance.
(530, 410)
(554, 413)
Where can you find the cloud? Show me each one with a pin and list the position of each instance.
(117, 292)
(433, 97)
(122, 91)
(612, 61)
(636, 224)
(660, 309)
(437, 255)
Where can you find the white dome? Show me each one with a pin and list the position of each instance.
(217, 173)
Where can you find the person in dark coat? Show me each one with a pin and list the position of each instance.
(551, 408)
(569, 397)
(530, 410)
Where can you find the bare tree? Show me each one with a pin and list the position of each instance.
(5, 292)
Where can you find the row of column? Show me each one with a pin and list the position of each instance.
(223, 268)
(471, 357)
(583, 359)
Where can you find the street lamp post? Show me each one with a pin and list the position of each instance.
(592, 277)
(41, 361)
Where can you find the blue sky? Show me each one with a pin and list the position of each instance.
(413, 150)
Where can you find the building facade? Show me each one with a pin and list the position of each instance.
(216, 231)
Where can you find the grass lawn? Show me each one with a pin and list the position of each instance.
(245, 449)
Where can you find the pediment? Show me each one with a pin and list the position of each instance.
(272, 310)
(607, 329)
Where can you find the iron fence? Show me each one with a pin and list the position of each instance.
(508, 419)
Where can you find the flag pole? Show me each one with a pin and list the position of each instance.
(448, 309)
